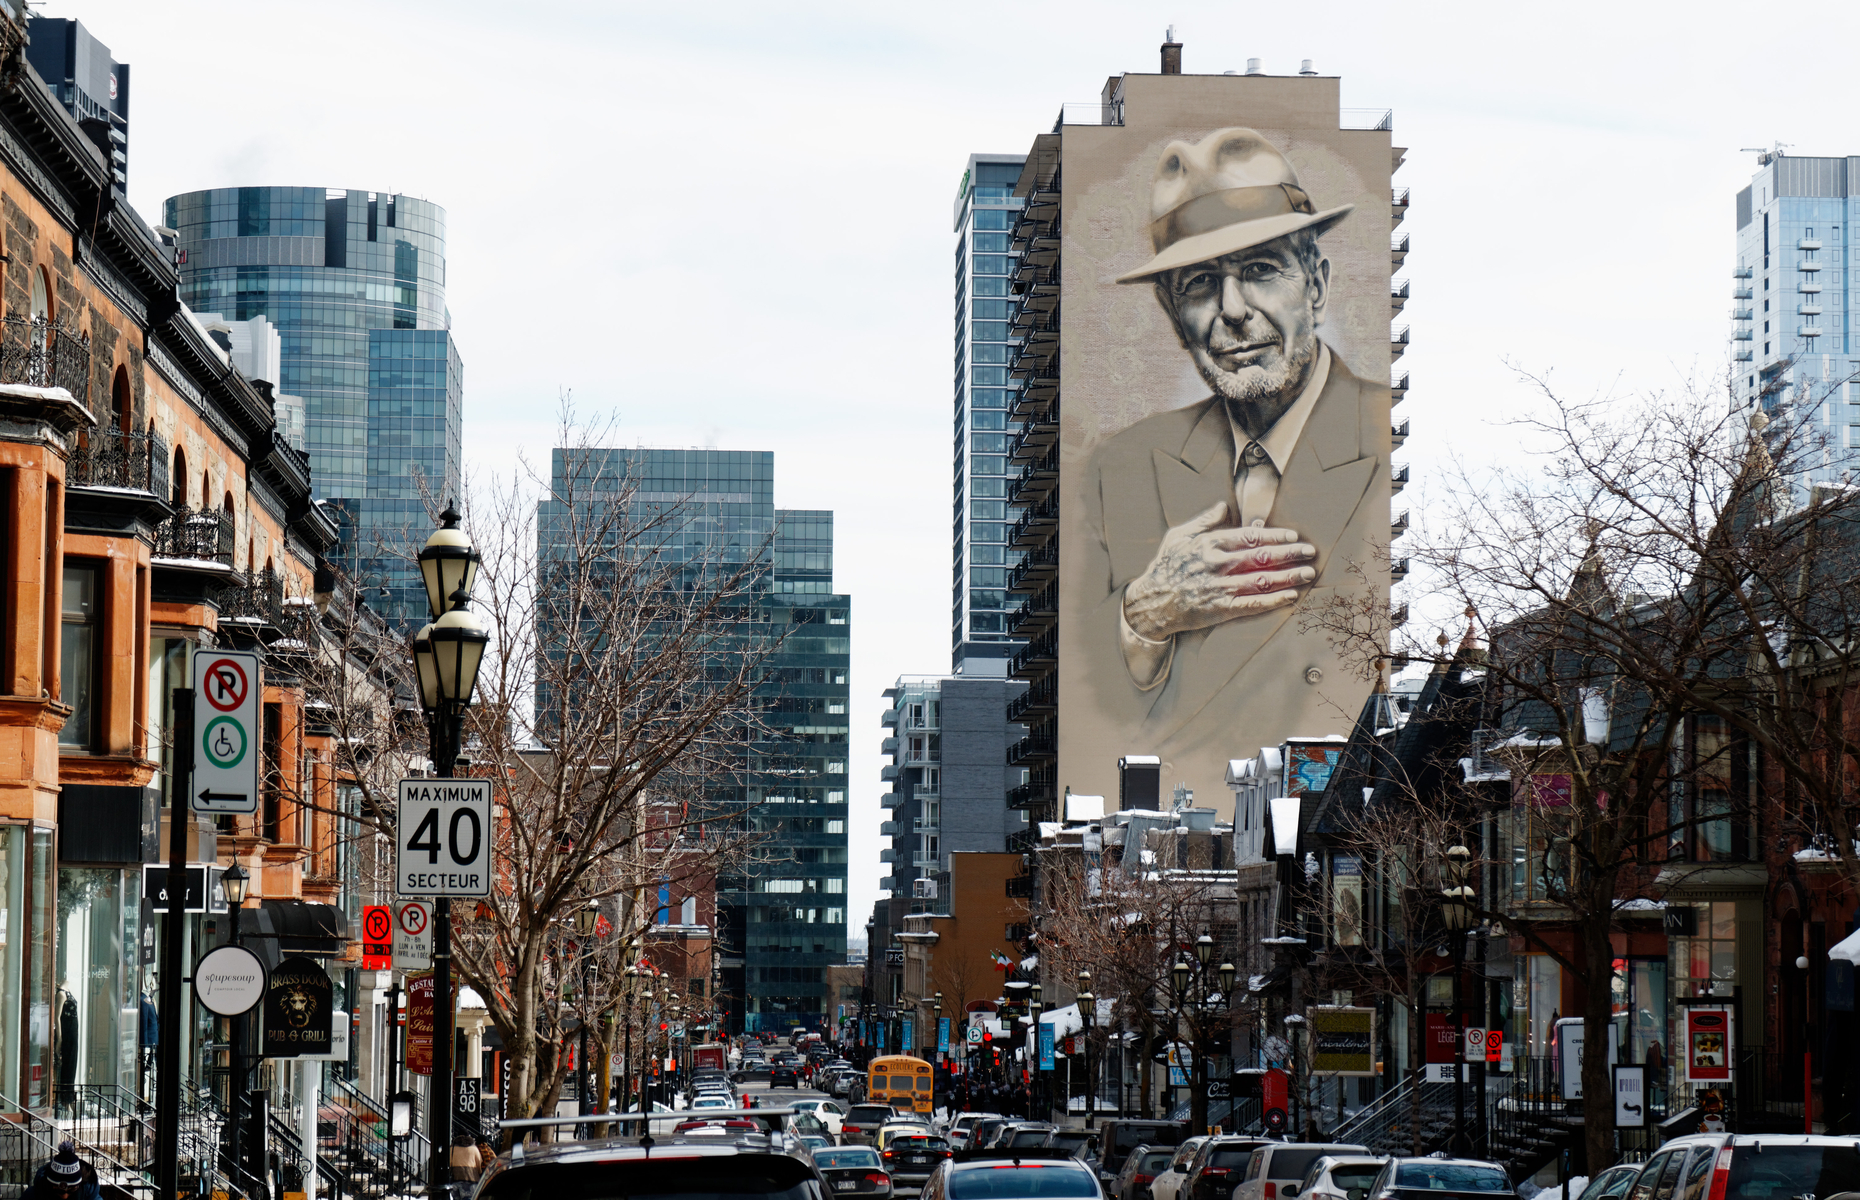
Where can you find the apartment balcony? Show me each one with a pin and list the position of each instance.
(1036, 524)
(1399, 525)
(1036, 480)
(889, 718)
(1808, 310)
(1038, 698)
(35, 352)
(110, 458)
(1398, 206)
(1037, 654)
(1398, 391)
(1809, 331)
(891, 799)
(1035, 568)
(1020, 887)
(190, 536)
(1398, 434)
(1398, 570)
(1034, 745)
(1034, 613)
(1809, 244)
(1398, 342)
(258, 601)
(1036, 437)
(1398, 296)
(888, 829)
(1398, 253)
(1398, 479)
(888, 746)
(927, 862)
(1740, 335)
(1808, 264)
(1398, 616)
(1741, 314)
(887, 855)
(1742, 356)
(888, 773)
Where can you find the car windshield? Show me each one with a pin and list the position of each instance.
(1355, 1176)
(1028, 1137)
(1231, 1160)
(1128, 1137)
(1457, 1177)
(1781, 1171)
(761, 1177)
(1154, 1164)
(916, 1141)
(1292, 1164)
(848, 1156)
(869, 1114)
(1022, 1181)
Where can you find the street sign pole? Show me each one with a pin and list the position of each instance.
(168, 1056)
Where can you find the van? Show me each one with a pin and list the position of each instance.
(1750, 1167)
(1280, 1167)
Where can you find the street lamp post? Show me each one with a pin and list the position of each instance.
(585, 918)
(1035, 1004)
(1456, 909)
(446, 658)
(232, 888)
(632, 981)
(1227, 974)
(1088, 1012)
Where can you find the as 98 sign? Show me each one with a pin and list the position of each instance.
(443, 847)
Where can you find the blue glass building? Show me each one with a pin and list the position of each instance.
(354, 282)
(781, 920)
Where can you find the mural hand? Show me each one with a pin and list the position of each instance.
(1205, 573)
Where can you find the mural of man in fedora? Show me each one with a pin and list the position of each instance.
(1207, 525)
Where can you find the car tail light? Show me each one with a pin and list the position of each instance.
(1721, 1174)
(1272, 1190)
(875, 1177)
(1216, 1171)
(1143, 1179)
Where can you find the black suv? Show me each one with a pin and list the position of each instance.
(1216, 1169)
(694, 1166)
(784, 1076)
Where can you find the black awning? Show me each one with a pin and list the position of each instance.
(321, 930)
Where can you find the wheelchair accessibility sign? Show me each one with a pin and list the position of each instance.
(227, 689)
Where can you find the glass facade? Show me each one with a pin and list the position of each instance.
(354, 282)
(782, 920)
(985, 310)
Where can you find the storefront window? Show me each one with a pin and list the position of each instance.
(1705, 964)
(25, 965)
(1537, 997)
(94, 1010)
(77, 656)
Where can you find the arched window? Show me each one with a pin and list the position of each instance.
(41, 297)
(179, 478)
(122, 403)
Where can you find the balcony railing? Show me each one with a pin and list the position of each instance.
(40, 353)
(114, 459)
(204, 535)
(261, 600)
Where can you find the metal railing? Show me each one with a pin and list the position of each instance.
(41, 353)
(1366, 118)
(205, 534)
(28, 1140)
(113, 458)
(260, 599)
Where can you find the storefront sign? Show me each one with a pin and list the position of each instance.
(1630, 1097)
(1708, 1044)
(298, 1007)
(420, 1023)
(905, 1042)
(1343, 1040)
(1443, 1038)
(1046, 1046)
(1570, 1035)
(229, 981)
(942, 1035)
(338, 1039)
(1551, 791)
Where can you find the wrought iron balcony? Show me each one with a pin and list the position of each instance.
(114, 459)
(260, 600)
(205, 535)
(40, 353)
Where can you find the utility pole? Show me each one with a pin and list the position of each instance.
(168, 1055)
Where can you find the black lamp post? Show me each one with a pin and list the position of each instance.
(1034, 1006)
(232, 889)
(1227, 975)
(585, 919)
(632, 981)
(1456, 910)
(446, 657)
(1088, 1012)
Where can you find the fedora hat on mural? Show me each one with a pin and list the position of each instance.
(1230, 191)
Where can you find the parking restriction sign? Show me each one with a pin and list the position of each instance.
(227, 690)
(413, 935)
(377, 937)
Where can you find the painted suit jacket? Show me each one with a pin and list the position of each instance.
(1248, 682)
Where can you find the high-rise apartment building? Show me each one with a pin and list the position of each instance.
(948, 777)
(93, 87)
(981, 641)
(781, 919)
(1793, 337)
(354, 283)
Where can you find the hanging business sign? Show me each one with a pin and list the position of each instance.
(1046, 1045)
(942, 1035)
(1570, 1036)
(1631, 1097)
(905, 1042)
(443, 843)
(1708, 1044)
(229, 981)
(1343, 1040)
(338, 1039)
(420, 1023)
(228, 687)
(298, 1008)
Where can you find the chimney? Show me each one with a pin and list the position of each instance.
(1171, 54)
(1138, 780)
(1305, 68)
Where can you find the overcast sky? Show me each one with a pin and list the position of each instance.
(733, 229)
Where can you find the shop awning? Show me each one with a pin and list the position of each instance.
(321, 930)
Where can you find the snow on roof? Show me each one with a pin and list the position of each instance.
(1847, 949)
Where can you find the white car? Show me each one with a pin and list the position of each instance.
(830, 1112)
(962, 1126)
(1166, 1185)
(712, 1101)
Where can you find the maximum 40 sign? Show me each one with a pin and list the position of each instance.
(443, 847)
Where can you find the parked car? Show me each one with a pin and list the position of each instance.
(963, 1124)
(1013, 1179)
(1426, 1178)
(1218, 1167)
(899, 1127)
(702, 1162)
(1141, 1167)
(1167, 1186)
(1022, 1134)
(1118, 1137)
(1280, 1167)
(982, 1133)
(911, 1157)
(784, 1076)
(1749, 1166)
(831, 1115)
(854, 1170)
(1613, 1183)
(1340, 1177)
(862, 1122)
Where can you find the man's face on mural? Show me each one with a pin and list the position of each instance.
(1250, 319)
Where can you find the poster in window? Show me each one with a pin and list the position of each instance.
(1708, 1044)
(1346, 882)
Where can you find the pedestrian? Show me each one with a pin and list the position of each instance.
(466, 1163)
(485, 1154)
(64, 1178)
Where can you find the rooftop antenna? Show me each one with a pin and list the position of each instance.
(1766, 157)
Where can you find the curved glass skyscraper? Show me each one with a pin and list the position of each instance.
(355, 284)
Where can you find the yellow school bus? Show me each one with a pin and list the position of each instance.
(900, 1081)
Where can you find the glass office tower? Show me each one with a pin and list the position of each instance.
(354, 282)
(980, 643)
(781, 919)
